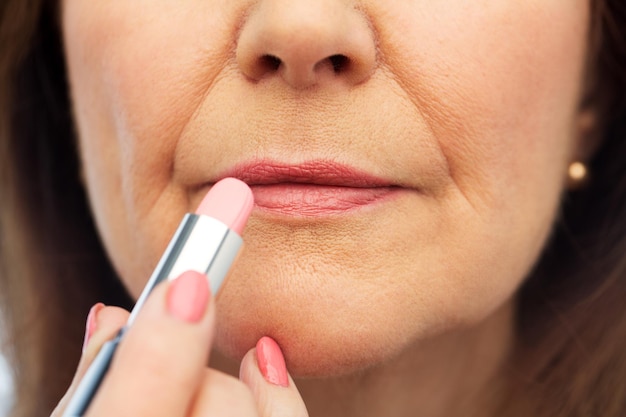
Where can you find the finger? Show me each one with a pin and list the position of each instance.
(160, 363)
(103, 323)
(263, 370)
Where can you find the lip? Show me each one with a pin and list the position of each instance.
(312, 188)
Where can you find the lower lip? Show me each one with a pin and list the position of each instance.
(317, 200)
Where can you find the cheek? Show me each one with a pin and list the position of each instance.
(498, 87)
(135, 87)
(133, 90)
(495, 80)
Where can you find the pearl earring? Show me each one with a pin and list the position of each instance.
(577, 174)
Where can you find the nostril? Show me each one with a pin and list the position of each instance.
(313, 43)
(269, 63)
(339, 63)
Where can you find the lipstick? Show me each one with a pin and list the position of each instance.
(206, 241)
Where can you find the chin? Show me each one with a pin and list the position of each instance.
(321, 352)
(318, 338)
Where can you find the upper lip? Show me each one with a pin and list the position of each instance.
(318, 172)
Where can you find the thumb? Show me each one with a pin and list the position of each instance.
(263, 370)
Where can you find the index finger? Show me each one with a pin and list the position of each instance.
(160, 363)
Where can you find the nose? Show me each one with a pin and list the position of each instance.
(306, 43)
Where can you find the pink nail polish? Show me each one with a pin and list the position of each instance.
(271, 362)
(188, 296)
(92, 323)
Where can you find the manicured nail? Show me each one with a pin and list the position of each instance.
(92, 323)
(188, 296)
(271, 362)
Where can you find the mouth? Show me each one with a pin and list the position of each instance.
(312, 189)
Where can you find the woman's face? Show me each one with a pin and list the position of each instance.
(433, 138)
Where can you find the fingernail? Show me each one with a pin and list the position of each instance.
(92, 323)
(271, 362)
(188, 296)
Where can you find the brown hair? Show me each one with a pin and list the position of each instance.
(571, 357)
(572, 310)
(52, 266)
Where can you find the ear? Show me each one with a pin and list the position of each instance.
(588, 134)
(587, 138)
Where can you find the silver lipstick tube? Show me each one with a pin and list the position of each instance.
(200, 244)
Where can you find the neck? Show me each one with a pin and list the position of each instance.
(457, 374)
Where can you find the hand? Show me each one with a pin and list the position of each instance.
(160, 368)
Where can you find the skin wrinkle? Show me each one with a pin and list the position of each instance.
(417, 100)
(210, 83)
(205, 91)
(230, 60)
(418, 105)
